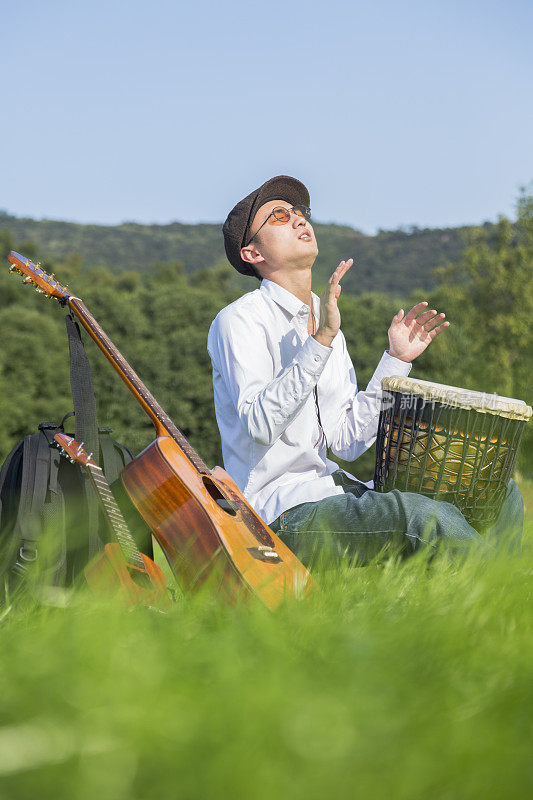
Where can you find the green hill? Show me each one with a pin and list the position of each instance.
(395, 262)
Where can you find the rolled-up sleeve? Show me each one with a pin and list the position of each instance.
(353, 425)
(266, 403)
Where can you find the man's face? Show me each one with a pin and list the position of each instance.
(292, 243)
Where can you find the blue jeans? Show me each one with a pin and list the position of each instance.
(361, 524)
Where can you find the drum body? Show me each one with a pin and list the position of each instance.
(448, 444)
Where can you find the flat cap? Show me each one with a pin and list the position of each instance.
(237, 225)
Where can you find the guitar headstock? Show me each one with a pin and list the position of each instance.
(74, 451)
(45, 284)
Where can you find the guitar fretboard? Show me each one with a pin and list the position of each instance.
(114, 516)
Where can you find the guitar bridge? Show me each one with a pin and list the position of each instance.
(266, 554)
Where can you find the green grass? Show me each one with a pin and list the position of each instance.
(405, 680)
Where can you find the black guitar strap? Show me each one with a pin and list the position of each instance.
(86, 422)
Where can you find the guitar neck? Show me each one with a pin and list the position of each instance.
(162, 422)
(114, 516)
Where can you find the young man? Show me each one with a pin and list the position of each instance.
(285, 391)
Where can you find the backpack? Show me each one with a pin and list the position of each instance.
(49, 512)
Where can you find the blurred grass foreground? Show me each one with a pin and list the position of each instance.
(408, 679)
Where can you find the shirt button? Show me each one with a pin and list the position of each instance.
(317, 358)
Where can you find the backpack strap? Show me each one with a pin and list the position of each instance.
(54, 513)
(9, 499)
(4, 472)
(33, 490)
(86, 425)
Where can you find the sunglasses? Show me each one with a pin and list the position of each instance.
(281, 215)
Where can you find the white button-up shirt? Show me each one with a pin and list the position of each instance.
(265, 365)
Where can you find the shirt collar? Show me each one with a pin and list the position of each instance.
(286, 299)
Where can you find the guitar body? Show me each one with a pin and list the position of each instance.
(230, 546)
(110, 573)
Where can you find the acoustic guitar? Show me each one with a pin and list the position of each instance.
(202, 522)
(120, 568)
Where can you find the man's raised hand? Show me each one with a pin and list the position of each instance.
(409, 335)
(330, 318)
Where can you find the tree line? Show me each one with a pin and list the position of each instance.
(383, 262)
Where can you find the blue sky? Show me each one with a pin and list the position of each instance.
(393, 114)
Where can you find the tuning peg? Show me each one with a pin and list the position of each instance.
(28, 279)
(71, 460)
(13, 269)
(39, 291)
(90, 455)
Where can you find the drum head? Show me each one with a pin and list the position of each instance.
(455, 397)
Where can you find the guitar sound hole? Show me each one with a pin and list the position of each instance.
(225, 504)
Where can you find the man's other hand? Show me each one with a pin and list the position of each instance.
(409, 335)
(330, 318)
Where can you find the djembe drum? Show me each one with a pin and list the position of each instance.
(449, 444)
